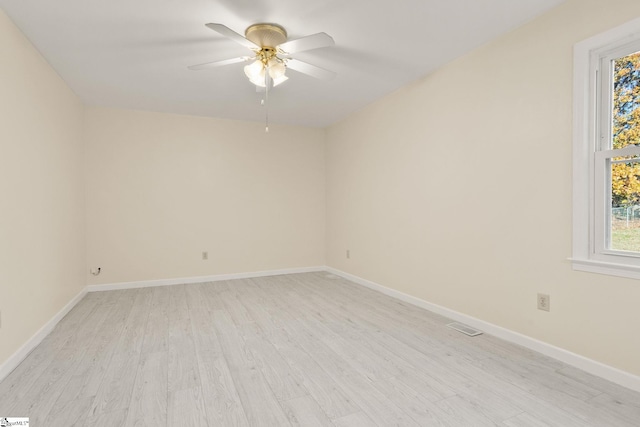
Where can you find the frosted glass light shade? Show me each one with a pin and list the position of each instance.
(277, 71)
(256, 73)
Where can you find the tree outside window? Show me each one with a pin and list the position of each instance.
(625, 177)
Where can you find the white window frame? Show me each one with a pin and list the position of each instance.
(592, 151)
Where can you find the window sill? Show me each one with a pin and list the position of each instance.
(607, 268)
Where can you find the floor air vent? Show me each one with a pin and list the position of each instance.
(467, 330)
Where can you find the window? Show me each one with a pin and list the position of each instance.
(606, 159)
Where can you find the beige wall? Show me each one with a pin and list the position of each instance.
(162, 188)
(42, 265)
(457, 190)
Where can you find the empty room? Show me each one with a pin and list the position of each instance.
(320, 213)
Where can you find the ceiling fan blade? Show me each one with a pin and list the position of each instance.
(229, 33)
(313, 41)
(312, 70)
(216, 64)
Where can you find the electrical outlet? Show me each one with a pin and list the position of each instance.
(544, 302)
(348, 254)
(205, 255)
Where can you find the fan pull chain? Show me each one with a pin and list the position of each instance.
(265, 103)
(266, 96)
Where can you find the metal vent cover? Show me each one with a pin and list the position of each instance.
(467, 330)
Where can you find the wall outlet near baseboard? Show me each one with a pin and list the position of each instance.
(205, 256)
(348, 254)
(544, 302)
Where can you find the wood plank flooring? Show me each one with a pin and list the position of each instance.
(296, 350)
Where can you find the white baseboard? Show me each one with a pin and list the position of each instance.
(199, 279)
(14, 360)
(599, 369)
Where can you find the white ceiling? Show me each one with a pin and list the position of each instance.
(134, 53)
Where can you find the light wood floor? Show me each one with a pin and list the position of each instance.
(307, 349)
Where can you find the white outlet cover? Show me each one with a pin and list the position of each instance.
(544, 302)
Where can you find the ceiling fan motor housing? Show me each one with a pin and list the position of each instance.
(266, 35)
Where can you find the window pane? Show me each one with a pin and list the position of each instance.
(626, 100)
(625, 171)
(625, 204)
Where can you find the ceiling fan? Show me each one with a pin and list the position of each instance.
(272, 53)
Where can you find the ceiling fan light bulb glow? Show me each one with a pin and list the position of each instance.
(254, 69)
(277, 71)
(255, 73)
(258, 81)
(276, 68)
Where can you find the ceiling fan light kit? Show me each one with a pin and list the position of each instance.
(266, 36)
